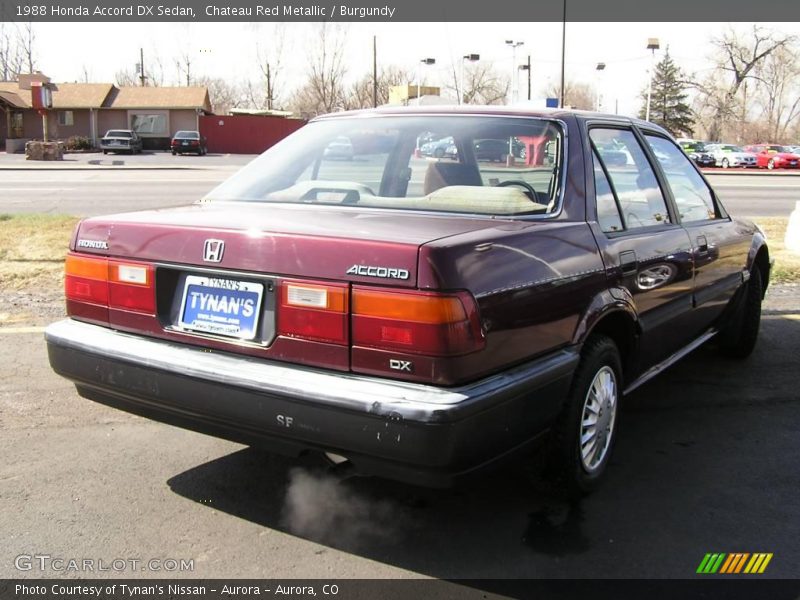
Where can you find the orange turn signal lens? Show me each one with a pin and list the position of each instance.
(86, 267)
(414, 307)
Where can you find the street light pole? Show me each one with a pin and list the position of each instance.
(465, 58)
(599, 70)
(424, 61)
(652, 45)
(527, 67)
(514, 79)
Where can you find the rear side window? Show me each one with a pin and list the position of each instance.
(692, 196)
(631, 176)
(608, 212)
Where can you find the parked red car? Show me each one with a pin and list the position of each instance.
(774, 156)
(420, 317)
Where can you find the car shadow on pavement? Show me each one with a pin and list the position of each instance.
(701, 447)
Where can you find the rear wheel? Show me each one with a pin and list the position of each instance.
(771, 164)
(725, 163)
(585, 431)
(738, 337)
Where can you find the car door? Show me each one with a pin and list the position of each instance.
(719, 249)
(644, 250)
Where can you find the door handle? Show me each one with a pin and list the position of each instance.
(628, 262)
(702, 245)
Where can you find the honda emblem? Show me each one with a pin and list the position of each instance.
(212, 250)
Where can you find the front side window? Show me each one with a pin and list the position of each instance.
(461, 164)
(634, 182)
(692, 196)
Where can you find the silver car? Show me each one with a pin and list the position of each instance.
(121, 140)
(728, 155)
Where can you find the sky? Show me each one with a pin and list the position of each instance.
(228, 50)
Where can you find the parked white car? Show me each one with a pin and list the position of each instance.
(729, 155)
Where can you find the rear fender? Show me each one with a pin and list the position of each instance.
(610, 300)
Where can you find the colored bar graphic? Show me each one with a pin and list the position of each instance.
(734, 563)
(711, 563)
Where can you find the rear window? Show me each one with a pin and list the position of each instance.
(187, 135)
(460, 164)
(119, 133)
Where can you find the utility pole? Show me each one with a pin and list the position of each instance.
(374, 71)
(141, 66)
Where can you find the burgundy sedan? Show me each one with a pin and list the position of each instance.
(774, 156)
(419, 317)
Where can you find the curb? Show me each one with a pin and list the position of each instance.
(756, 172)
(104, 168)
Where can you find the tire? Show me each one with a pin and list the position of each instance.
(105, 151)
(595, 392)
(738, 337)
(174, 153)
(725, 163)
(771, 164)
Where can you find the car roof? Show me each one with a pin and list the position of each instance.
(484, 110)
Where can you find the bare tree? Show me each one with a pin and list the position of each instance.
(578, 95)
(482, 83)
(7, 49)
(153, 73)
(323, 90)
(26, 39)
(184, 64)
(17, 54)
(778, 91)
(360, 95)
(86, 74)
(223, 95)
(269, 55)
(736, 59)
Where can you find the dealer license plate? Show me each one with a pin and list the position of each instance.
(219, 306)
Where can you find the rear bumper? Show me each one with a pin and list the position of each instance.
(416, 433)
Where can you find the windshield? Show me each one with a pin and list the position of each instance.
(463, 164)
(116, 133)
(731, 149)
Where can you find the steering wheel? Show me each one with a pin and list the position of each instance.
(523, 184)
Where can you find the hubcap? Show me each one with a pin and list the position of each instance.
(597, 419)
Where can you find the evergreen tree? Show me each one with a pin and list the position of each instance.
(668, 106)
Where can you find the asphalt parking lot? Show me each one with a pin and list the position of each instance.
(706, 462)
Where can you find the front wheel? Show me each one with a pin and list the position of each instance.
(585, 431)
(725, 163)
(771, 164)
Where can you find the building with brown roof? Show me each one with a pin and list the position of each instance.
(90, 109)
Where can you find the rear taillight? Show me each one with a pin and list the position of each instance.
(428, 323)
(109, 283)
(86, 279)
(313, 311)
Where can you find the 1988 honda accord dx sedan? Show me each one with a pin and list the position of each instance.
(421, 317)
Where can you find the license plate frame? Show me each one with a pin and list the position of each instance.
(224, 311)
